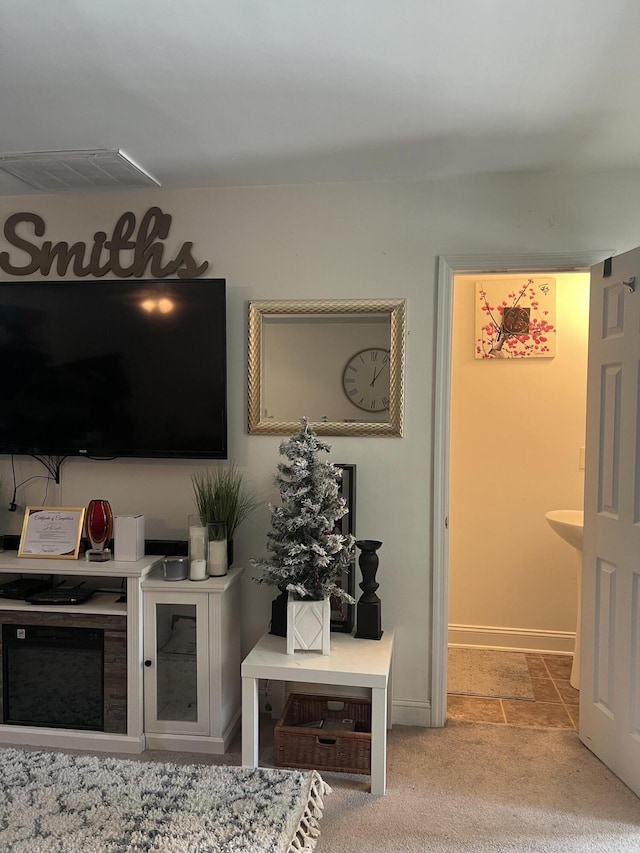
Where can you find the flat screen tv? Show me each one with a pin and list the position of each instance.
(103, 369)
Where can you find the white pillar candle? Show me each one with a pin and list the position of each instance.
(197, 539)
(217, 562)
(198, 570)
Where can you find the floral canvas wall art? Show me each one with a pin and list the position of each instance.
(516, 318)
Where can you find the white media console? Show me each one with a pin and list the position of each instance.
(202, 658)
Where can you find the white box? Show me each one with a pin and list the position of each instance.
(128, 538)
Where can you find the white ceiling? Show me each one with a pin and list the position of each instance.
(234, 92)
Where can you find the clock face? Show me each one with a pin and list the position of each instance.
(366, 379)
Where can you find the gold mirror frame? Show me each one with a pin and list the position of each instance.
(395, 308)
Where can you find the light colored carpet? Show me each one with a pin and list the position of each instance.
(479, 788)
(52, 802)
(484, 672)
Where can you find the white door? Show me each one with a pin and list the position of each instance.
(610, 682)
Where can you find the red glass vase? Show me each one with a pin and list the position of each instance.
(98, 525)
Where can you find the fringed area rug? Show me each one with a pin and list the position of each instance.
(485, 672)
(59, 803)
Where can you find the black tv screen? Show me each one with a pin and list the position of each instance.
(114, 368)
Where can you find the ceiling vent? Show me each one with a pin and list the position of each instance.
(60, 171)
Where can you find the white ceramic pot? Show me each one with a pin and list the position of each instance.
(308, 624)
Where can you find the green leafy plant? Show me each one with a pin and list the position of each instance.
(220, 494)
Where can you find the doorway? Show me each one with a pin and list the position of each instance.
(448, 268)
(517, 429)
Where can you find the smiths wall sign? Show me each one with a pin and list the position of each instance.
(131, 249)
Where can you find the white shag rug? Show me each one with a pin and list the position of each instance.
(57, 803)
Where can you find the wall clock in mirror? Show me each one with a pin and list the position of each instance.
(366, 379)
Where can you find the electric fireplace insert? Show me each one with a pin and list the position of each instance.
(53, 675)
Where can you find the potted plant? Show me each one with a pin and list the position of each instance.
(220, 495)
(307, 556)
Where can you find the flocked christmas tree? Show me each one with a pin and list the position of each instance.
(307, 555)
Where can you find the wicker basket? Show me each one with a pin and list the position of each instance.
(324, 748)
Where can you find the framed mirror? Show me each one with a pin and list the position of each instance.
(339, 363)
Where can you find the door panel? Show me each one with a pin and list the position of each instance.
(605, 635)
(176, 675)
(610, 660)
(608, 467)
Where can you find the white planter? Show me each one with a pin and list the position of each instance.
(308, 624)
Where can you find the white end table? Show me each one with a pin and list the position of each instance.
(351, 663)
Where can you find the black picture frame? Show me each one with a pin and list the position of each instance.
(342, 614)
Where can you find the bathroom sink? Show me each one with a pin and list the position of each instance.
(567, 523)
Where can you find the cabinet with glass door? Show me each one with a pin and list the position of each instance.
(191, 662)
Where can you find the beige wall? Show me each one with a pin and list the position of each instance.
(517, 427)
(369, 240)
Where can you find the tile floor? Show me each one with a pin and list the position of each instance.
(555, 705)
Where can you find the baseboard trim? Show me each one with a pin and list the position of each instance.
(411, 712)
(187, 743)
(512, 639)
(70, 739)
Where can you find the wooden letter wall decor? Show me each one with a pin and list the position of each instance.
(143, 247)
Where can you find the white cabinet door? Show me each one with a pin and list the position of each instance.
(176, 663)
(610, 682)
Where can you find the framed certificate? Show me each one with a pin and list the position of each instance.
(52, 531)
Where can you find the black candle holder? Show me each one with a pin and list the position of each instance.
(369, 609)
